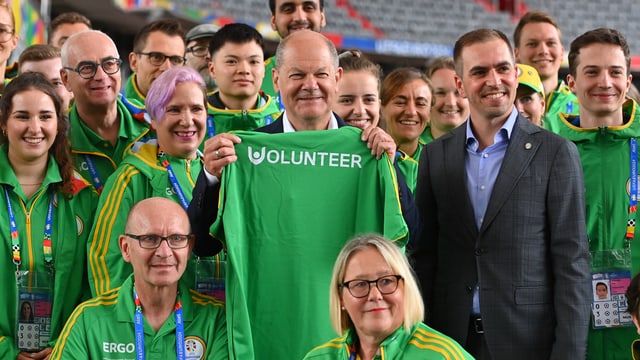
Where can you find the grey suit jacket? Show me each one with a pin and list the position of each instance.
(530, 257)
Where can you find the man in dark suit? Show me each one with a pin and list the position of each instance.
(503, 260)
(306, 77)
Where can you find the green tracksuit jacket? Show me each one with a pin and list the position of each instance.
(561, 100)
(103, 328)
(422, 343)
(605, 155)
(141, 175)
(72, 221)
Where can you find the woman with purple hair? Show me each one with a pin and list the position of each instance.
(166, 166)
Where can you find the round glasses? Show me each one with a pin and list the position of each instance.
(361, 288)
(88, 69)
(6, 34)
(152, 241)
(158, 58)
(199, 51)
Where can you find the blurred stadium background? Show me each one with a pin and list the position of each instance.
(392, 32)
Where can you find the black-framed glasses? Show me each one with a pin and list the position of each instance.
(6, 34)
(360, 288)
(153, 241)
(158, 58)
(88, 69)
(199, 51)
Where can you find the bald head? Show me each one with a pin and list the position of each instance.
(151, 213)
(81, 43)
(304, 39)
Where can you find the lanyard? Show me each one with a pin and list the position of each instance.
(633, 190)
(95, 178)
(211, 128)
(174, 182)
(280, 104)
(15, 240)
(139, 328)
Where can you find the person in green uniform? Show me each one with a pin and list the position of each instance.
(157, 47)
(606, 133)
(167, 166)
(154, 314)
(450, 109)
(376, 308)
(538, 43)
(47, 211)
(407, 97)
(358, 101)
(65, 25)
(530, 95)
(237, 65)
(288, 16)
(102, 129)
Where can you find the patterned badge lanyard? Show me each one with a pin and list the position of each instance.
(95, 178)
(139, 328)
(174, 181)
(633, 191)
(15, 240)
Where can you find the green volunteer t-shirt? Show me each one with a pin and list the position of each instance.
(289, 204)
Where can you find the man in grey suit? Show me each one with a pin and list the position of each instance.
(503, 260)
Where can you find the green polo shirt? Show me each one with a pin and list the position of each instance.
(88, 148)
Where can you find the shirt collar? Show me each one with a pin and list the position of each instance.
(504, 133)
(287, 127)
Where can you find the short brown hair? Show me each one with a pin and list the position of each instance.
(170, 27)
(39, 52)
(443, 62)
(533, 17)
(474, 37)
(71, 17)
(598, 36)
(354, 60)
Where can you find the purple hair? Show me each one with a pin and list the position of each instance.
(164, 87)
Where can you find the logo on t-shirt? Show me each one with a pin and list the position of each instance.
(304, 158)
(195, 348)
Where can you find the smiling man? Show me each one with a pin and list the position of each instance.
(504, 198)
(288, 16)
(606, 133)
(538, 43)
(102, 129)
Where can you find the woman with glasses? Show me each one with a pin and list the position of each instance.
(167, 167)
(8, 40)
(376, 307)
(47, 210)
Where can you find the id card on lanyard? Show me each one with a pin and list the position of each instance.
(611, 268)
(34, 288)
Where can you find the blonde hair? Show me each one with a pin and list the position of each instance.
(413, 304)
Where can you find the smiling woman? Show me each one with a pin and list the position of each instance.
(376, 307)
(165, 167)
(41, 198)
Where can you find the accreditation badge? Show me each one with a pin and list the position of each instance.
(610, 278)
(210, 275)
(35, 300)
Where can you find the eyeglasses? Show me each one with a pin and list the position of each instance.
(158, 58)
(88, 69)
(361, 288)
(6, 34)
(199, 51)
(152, 241)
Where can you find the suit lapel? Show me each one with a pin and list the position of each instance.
(520, 152)
(454, 170)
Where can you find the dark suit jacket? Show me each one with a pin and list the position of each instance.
(530, 257)
(203, 208)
